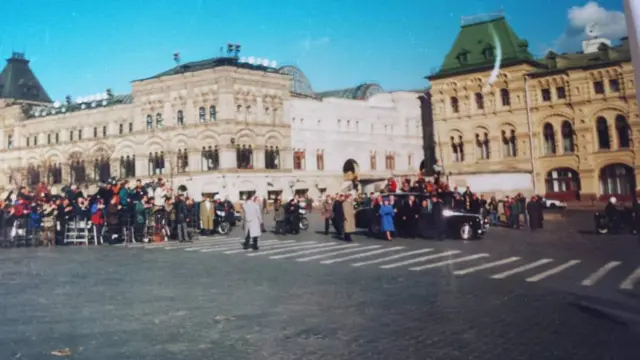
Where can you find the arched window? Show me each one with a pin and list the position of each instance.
(156, 163)
(602, 127)
(149, 121)
(54, 174)
(623, 132)
(182, 160)
(127, 166)
(102, 169)
(549, 136)
(244, 157)
(159, 120)
(212, 113)
(482, 144)
(509, 143)
(567, 137)
(202, 115)
(455, 106)
(617, 179)
(180, 117)
(299, 160)
(33, 175)
(479, 101)
(78, 172)
(506, 97)
(455, 155)
(272, 158)
(562, 183)
(210, 158)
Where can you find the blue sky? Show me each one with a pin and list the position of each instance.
(83, 47)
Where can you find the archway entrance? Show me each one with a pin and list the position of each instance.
(563, 184)
(617, 180)
(350, 169)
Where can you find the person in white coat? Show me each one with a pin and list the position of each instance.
(252, 224)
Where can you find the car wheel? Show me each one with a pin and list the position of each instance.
(466, 232)
(304, 224)
(224, 228)
(553, 206)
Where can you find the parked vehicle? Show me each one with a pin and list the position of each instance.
(458, 224)
(222, 225)
(304, 222)
(554, 204)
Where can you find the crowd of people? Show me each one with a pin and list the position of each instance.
(420, 213)
(118, 211)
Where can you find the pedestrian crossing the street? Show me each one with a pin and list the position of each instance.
(387, 257)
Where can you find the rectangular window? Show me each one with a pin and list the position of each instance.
(561, 92)
(104, 131)
(121, 129)
(35, 140)
(546, 95)
(130, 127)
(95, 132)
(410, 160)
(298, 160)
(79, 134)
(246, 195)
(320, 161)
(598, 87)
(28, 141)
(57, 138)
(9, 141)
(614, 85)
(48, 139)
(372, 162)
(71, 135)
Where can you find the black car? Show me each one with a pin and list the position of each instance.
(458, 224)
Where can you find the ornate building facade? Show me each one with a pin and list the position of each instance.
(564, 126)
(216, 126)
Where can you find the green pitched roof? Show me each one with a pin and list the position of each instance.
(474, 48)
(605, 56)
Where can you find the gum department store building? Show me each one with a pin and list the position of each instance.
(565, 125)
(220, 125)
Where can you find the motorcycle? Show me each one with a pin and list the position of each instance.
(223, 227)
(604, 225)
(304, 222)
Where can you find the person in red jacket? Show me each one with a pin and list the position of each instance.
(97, 219)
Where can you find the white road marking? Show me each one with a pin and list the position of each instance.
(176, 245)
(270, 246)
(232, 246)
(392, 257)
(596, 276)
(356, 256)
(338, 252)
(521, 269)
(165, 243)
(449, 262)
(420, 259)
(553, 271)
(338, 246)
(198, 246)
(259, 253)
(629, 282)
(486, 266)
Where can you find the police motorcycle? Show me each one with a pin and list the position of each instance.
(302, 216)
(220, 218)
(613, 220)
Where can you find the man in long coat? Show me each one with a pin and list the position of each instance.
(252, 223)
(349, 212)
(207, 212)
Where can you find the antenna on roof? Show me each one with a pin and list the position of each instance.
(176, 57)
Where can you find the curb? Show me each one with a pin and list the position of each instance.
(616, 311)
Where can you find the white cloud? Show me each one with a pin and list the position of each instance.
(310, 43)
(611, 24)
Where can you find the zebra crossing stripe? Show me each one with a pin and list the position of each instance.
(314, 250)
(176, 244)
(486, 266)
(338, 252)
(420, 259)
(449, 262)
(356, 256)
(596, 276)
(421, 251)
(553, 271)
(200, 245)
(260, 253)
(231, 246)
(629, 282)
(270, 246)
(521, 269)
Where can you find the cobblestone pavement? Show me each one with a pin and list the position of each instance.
(315, 297)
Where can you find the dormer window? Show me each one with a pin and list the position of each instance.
(463, 57)
(488, 52)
